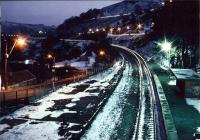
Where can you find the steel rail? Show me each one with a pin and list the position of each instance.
(143, 70)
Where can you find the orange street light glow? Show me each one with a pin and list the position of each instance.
(119, 29)
(139, 26)
(21, 41)
(101, 53)
(49, 56)
(111, 30)
(128, 27)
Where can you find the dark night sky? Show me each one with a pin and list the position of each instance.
(47, 12)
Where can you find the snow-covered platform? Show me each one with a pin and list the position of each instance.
(188, 82)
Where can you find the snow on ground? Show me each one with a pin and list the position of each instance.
(102, 128)
(4, 126)
(80, 65)
(198, 129)
(83, 44)
(186, 74)
(70, 104)
(163, 67)
(40, 109)
(194, 102)
(65, 62)
(38, 131)
(83, 65)
(172, 82)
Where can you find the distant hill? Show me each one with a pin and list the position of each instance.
(129, 6)
(108, 16)
(29, 29)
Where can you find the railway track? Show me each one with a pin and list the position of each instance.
(148, 123)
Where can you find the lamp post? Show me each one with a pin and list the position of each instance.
(111, 30)
(166, 46)
(139, 26)
(101, 53)
(128, 27)
(51, 57)
(21, 42)
(119, 30)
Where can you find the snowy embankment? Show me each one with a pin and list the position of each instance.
(196, 104)
(63, 113)
(112, 122)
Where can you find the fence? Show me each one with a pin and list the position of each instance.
(14, 97)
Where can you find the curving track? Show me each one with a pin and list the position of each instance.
(149, 121)
(133, 110)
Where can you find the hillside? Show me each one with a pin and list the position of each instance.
(21, 28)
(110, 16)
(129, 6)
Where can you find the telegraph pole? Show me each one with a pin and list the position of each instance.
(4, 65)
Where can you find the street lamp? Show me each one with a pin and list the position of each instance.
(128, 27)
(139, 26)
(152, 24)
(101, 53)
(119, 29)
(51, 57)
(166, 46)
(90, 30)
(111, 30)
(19, 42)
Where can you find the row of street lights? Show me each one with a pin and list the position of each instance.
(21, 42)
(139, 26)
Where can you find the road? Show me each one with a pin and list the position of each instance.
(131, 111)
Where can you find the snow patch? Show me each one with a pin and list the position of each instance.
(72, 124)
(70, 104)
(111, 112)
(194, 102)
(27, 131)
(90, 105)
(172, 82)
(3, 127)
(72, 131)
(198, 129)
